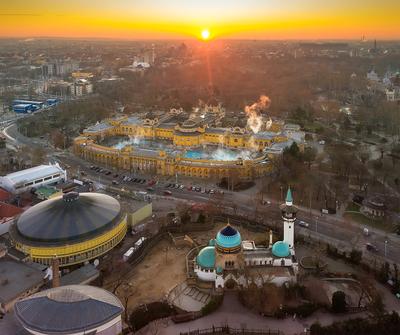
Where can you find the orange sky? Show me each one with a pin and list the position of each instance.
(261, 19)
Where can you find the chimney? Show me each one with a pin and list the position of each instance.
(55, 268)
(270, 239)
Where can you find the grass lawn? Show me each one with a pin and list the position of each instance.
(362, 219)
(352, 207)
(352, 212)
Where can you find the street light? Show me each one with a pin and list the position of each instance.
(316, 224)
(386, 242)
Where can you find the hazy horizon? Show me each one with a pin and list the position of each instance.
(174, 19)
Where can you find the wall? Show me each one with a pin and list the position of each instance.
(141, 214)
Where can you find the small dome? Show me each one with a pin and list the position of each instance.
(211, 243)
(228, 237)
(206, 258)
(280, 249)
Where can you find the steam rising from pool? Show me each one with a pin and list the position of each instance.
(219, 154)
(133, 140)
(206, 152)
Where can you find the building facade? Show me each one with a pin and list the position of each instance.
(182, 137)
(75, 228)
(229, 262)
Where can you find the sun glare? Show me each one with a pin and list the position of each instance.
(205, 34)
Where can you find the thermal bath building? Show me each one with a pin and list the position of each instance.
(192, 147)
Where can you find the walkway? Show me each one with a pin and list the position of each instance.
(233, 313)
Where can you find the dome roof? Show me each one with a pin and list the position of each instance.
(206, 257)
(68, 309)
(228, 237)
(71, 217)
(280, 249)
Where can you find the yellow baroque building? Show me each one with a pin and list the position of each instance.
(183, 137)
(74, 227)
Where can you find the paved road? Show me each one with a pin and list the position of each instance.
(329, 228)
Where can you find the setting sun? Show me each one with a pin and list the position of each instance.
(205, 34)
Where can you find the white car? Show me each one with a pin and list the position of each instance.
(303, 224)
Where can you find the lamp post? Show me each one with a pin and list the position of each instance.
(386, 242)
(316, 224)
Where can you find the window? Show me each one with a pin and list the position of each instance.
(56, 175)
(38, 181)
(47, 178)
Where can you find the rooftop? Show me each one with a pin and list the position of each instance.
(17, 278)
(68, 309)
(83, 275)
(33, 173)
(98, 127)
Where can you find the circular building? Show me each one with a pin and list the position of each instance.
(72, 309)
(74, 227)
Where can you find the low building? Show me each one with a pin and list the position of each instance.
(17, 280)
(25, 180)
(72, 310)
(374, 207)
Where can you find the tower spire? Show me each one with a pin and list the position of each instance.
(289, 198)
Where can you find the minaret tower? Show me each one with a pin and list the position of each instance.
(289, 217)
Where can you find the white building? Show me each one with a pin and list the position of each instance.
(25, 180)
(81, 87)
(228, 261)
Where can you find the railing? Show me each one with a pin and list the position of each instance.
(228, 330)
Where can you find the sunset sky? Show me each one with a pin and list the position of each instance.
(158, 19)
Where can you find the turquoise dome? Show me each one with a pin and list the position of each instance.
(280, 249)
(211, 243)
(228, 237)
(206, 258)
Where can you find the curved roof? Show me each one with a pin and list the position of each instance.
(280, 249)
(68, 309)
(206, 257)
(228, 237)
(69, 218)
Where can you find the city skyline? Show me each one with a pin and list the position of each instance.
(160, 19)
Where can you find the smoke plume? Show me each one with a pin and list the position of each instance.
(253, 112)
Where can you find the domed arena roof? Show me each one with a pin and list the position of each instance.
(206, 257)
(228, 237)
(67, 309)
(280, 249)
(71, 217)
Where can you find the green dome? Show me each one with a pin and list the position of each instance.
(280, 249)
(228, 237)
(206, 258)
(211, 243)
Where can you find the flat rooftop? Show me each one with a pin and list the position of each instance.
(16, 278)
(33, 173)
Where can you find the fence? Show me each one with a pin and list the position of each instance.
(228, 330)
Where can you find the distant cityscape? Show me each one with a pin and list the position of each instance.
(199, 186)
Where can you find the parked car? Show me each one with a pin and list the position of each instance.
(166, 192)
